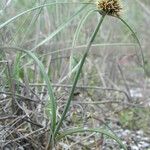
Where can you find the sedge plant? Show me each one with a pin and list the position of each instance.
(103, 8)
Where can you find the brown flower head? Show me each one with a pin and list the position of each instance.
(110, 7)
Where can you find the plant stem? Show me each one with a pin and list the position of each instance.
(77, 75)
(137, 40)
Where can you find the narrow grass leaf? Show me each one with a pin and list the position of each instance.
(59, 28)
(46, 79)
(33, 9)
(102, 131)
(76, 35)
(137, 40)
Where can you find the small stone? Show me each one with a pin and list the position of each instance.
(133, 147)
(140, 132)
(143, 144)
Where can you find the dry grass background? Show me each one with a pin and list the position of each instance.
(112, 88)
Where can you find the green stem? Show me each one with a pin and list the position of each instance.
(97, 130)
(46, 79)
(77, 75)
(137, 40)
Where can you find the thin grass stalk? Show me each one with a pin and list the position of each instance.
(11, 86)
(47, 81)
(34, 19)
(77, 75)
(19, 29)
(76, 37)
(137, 40)
(81, 130)
(35, 8)
(59, 28)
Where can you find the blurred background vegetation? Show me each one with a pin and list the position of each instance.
(113, 64)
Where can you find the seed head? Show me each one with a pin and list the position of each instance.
(110, 7)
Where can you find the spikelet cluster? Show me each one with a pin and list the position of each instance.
(110, 7)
